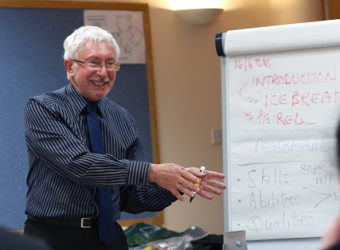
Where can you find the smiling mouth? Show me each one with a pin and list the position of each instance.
(98, 83)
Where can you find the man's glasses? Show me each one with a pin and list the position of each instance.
(96, 65)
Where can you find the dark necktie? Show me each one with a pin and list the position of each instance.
(106, 222)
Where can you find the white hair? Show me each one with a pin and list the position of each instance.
(75, 42)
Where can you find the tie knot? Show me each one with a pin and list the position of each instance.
(92, 107)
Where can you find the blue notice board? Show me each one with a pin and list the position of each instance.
(31, 47)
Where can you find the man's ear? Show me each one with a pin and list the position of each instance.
(69, 66)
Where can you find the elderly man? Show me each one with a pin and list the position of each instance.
(86, 161)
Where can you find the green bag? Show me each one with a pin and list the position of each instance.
(141, 233)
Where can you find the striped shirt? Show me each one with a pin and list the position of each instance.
(63, 173)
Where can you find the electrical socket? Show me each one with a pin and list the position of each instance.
(216, 136)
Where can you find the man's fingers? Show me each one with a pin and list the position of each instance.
(211, 189)
(213, 174)
(189, 176)
(182, 189)
(188, 188)
(178, 195)
(215, 183)
(179, 180)
(205, 195)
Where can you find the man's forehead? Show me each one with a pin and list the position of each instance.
(96, 48)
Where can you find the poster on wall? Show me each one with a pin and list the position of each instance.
(126, 27)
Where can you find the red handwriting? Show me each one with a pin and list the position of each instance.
(243, 63)
(305, 98)
(247, 99)
(294, 79)
(299, 90)
(263, 63)
(281, 119)
(249, 63)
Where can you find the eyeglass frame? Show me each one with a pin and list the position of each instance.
(115, 64)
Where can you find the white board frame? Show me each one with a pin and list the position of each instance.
(281, 42)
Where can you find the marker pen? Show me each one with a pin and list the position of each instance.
(202, 170)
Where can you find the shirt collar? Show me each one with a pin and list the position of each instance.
(78, 101)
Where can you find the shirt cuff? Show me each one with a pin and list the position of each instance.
(138, 173)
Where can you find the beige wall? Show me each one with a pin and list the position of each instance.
(295, 11)
(188, 89)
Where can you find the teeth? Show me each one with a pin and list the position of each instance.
(100, 84)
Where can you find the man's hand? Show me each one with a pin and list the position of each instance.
(174, 178)
(207, 183)
(332, 235)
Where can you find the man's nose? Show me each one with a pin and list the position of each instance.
(102, 70)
